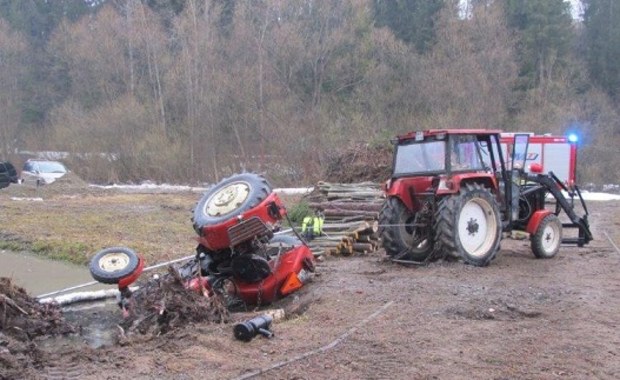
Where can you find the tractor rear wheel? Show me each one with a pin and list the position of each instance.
(402, 239)
(469, 226)
(229, 198)
(547, 238)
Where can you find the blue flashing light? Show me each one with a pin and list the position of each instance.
(573, 138)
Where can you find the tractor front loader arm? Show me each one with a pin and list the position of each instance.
(552, 184)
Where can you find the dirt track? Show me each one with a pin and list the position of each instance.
(364, 318)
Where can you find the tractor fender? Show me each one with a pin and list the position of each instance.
(454, 183)
(405, 189)
(534, 222)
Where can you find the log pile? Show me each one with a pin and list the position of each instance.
(351, 217)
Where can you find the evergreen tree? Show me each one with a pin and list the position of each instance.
(36, 19)
(412, 21)
(602, 41)
(545, 35)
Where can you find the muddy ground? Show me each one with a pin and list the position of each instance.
(365, 318)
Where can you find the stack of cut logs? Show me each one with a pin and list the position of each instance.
(351, 211)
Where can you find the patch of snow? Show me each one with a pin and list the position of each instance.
(149, 186)
(599, 196)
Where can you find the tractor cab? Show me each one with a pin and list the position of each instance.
(441, 152)
(436, 162)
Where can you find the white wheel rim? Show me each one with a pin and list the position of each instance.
(550, 237)
(114, 261)
(476, 227)
(227, 199)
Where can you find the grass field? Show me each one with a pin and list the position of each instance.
(72, 223)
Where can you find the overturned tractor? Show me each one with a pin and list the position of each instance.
(452, 194)
(238, 256)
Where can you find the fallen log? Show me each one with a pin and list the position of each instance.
(343, 213)
(339, 227)
(365, 238)
(346, 250)
(367, 228)
(326, 238)
(362, 247)
(355, 218)
(357, 195)
(355, 206)
(71, 298)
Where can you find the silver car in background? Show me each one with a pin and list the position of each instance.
(42, 172)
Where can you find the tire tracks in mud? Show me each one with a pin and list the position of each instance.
(611, 241)
(68, 372)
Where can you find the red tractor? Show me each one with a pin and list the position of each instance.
(452, 194)
(238, 255)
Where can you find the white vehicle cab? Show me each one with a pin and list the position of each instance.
(42, 172)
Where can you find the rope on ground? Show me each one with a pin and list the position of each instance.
(329, 346)
(612, 242)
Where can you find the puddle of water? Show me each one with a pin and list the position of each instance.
(38, 275)
(98, 323)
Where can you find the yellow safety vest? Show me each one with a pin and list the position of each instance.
(316, 223)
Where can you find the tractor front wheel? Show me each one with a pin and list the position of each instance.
(404, 235)
(111, 265)
(469, 225)
(547, 238)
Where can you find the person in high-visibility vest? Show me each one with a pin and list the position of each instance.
(312, 225)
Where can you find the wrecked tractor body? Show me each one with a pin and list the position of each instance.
(239, 255)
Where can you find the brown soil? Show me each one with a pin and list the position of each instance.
(363, 317)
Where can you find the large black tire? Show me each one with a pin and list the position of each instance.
(547, 239)
(110, 265)
(468, 226)
(230, 197)
(401, 239)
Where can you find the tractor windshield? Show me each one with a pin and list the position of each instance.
(420, 157)
(465, 153)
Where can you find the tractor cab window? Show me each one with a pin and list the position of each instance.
(420, 157)
(465, 153)
(490, 154)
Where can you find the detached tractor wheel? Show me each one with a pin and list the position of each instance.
(229, 198)
(547, 239)
(111, 265)
(402, 239)
(469, 225)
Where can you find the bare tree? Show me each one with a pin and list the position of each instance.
(12, 59)
(468, 77)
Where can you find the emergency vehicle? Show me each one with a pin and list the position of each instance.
(557, 154)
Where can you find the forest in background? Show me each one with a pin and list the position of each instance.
(189, 91)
